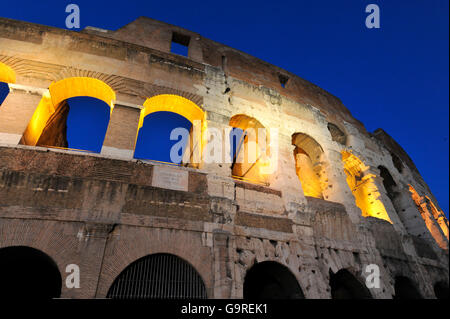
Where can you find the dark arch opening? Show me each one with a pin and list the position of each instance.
(388, 182)
(271, 280)
(441, 290)
(337, 134)
(158, 276)
(26, 273)
(345, 286)
(405, 289)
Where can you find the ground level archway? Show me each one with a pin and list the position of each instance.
(346, 286)
(405, 289)
(271, 280)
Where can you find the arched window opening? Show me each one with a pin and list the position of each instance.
(249, 148)
(346, 286)
(397, 163)
(7, 75)
(337, 134)
(441, 290)
(158, 276)
(271, 280)
(27, 273)
(363, 187)
(172, 130)
(405, 289)
(435, 220)
(388, 182)
(74, 114)
(308, 164)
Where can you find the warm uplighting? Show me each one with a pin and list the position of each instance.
(431, 217)
(48, 125)
(249, 148)
(163, 105)
(363, 187)
(81, 86)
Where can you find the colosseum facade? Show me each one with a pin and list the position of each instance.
(340, 200)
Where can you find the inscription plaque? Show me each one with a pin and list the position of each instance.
(170, 178)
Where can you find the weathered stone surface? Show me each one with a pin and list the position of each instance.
(105, 211)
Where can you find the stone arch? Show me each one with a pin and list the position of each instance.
(405, 289)
(337, 134)
(271, 280)
(27, 272)
(69, 104)
(158, 276)
(434, 220)
(362, 184)
(129, 246)
(344, 285)
(308, 156)
(166, 112)
(397, 163)
(248, 149)
(441, 290)
(7, 75)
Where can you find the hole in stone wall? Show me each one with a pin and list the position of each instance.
(180, 44)
(388, 182)
(283, 80)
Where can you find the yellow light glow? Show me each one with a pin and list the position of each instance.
(307, 176)
(363, 187)
(81, 86)
(59, 92)
(428, 218)
(7, 75)
(184, 107)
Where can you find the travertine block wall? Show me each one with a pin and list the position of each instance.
(102, 212)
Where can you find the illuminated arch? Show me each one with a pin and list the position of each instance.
(49, 121)
(363, 187)
(184, 108)
(345, 285)
(435, 220)
(308, 164)
(7, 75)
(249, 147)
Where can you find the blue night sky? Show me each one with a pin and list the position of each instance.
(395, 77)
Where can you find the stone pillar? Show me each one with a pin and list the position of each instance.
(223, 264)
(122, 131)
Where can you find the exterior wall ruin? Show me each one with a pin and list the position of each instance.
(102, 211)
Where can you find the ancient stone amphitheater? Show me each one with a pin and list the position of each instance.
(342, 204)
